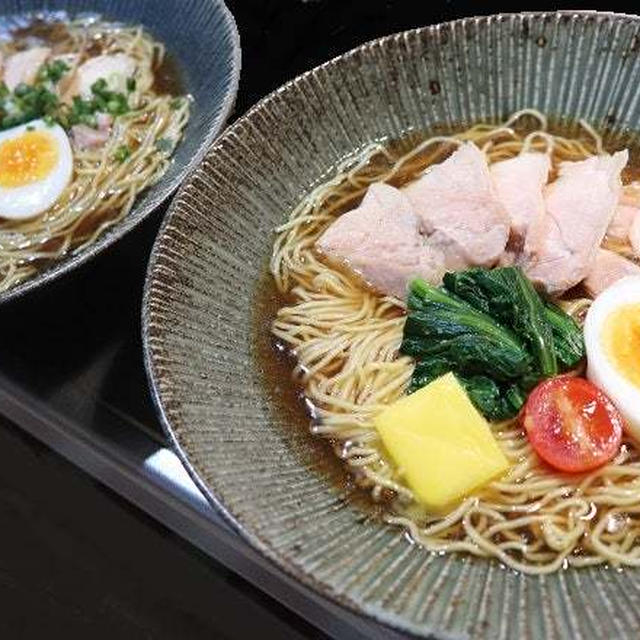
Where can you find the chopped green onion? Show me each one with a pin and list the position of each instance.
(122, 153)
(22, 90)
(53, 71)
(89, 119)
(131, 84)
(99, 86)
(28, 103)
(117, 104)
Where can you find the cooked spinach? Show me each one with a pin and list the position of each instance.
(496, 401)
(567, 336)
(508, 296)
(494, 331)
(442, 326)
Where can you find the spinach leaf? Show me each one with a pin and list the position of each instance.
(440, 325)
(444, 333)
(494, 400)
(567, 336)
(509, 297)
(494, 331)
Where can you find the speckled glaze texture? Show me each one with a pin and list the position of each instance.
(201, 36)
(201, 291)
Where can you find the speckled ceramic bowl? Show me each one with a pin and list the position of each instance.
(202, 38)
(201, 303)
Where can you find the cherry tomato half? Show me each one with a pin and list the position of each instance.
(572, 424)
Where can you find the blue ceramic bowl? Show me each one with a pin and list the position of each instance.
(201, 36)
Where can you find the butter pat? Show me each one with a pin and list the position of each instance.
(443, 446)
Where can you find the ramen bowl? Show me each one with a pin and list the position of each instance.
(203, 45)
(204, 314)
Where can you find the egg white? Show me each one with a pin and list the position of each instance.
(600, 369)
(29, 200)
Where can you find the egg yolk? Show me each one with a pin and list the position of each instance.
(622, 341)
(26, 159)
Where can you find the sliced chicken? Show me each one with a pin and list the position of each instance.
(85, 137)
(114, 68)
(460, 211)
(626, 211)
(104, 121)
(23, 67)
(620, 224)
(634, 236)
(381, 241)
(607, 268)
(631, 194)
(519, 183)
(560, 249)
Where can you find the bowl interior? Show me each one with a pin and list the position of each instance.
(204, 313)
(202, 40)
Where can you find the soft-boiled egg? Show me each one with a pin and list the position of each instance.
(36, 164)
(612, 339)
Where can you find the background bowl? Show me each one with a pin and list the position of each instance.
(201, 36)
(201, 317)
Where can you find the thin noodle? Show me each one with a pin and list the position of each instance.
(346, 338)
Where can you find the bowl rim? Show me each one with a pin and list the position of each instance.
(165, 187)
(382, 616)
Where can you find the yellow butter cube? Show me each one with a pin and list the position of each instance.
(443, 446)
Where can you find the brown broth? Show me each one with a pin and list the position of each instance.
(167, 78)
(46, 32)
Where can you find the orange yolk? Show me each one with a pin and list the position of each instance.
(26, 159)
(622, 341)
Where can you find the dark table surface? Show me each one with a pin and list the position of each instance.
(76, 560)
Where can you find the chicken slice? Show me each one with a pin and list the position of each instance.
(634, 236)
(560, 249)
(631, 194)
(460, 211)
(607, 268)
(380, 240)
(23, 67)
(620, 224)
(114, 68)
(626, 211)
(519, 183)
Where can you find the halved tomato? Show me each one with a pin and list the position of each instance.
(572, 424)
